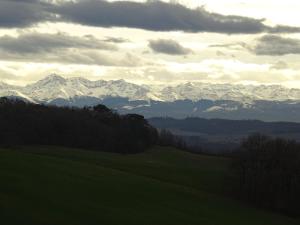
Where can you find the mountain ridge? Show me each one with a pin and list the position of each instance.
(224, 101)
(54, 87)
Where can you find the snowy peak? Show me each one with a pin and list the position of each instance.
(54, 87)
(79, 81)
(243, 93)
(57, 87)
(51, 80)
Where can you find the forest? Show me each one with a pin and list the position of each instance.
(96, 128)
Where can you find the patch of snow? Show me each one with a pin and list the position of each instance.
(214, 108)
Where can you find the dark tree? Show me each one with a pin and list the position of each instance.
(167, 138)
(268, 173)
(97, 128)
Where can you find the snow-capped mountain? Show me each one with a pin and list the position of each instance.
(56, 87)
(241, 93)
(227, 101)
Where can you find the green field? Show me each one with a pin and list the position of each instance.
(58, 186)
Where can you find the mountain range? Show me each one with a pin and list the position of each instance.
(229, 101)
(55, 86)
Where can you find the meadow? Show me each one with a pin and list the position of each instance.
(162, 186)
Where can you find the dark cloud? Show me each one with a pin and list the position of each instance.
(23, 13)
(30, 43)
(272, 45)
(159, 16)
(150, 15)
(276, 46)
(169, 47)
(76, 56)
(284, 29)
(63, 48)
(154, 16)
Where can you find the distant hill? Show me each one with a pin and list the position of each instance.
(221, 126)
(222, 135)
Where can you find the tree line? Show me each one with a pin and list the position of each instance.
(168, 139)
(96, 128)
(267, 172)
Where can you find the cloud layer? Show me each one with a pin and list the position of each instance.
(95, 37)
(274, 45)
(63, 48)
(23, 13)
(150, 15)
(266, 45)
(28, 43)
(160, 16)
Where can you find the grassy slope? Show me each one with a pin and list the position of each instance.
(160, 187)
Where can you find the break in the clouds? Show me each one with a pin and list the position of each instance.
(167, 46)
(277, 46)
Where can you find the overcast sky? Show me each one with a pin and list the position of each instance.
(160, 42)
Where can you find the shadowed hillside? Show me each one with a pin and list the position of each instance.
(163, 186)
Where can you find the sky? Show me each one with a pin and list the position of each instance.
(151, 42)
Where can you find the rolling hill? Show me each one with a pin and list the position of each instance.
(163, 186)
